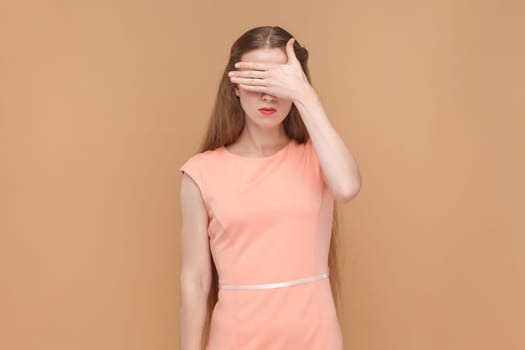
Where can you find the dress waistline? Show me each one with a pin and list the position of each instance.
(275, 285)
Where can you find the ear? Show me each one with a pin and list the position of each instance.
(236, 90)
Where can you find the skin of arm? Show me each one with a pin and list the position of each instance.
(195, 275)
(339, 168)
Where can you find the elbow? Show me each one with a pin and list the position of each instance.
(348, 193)
(205, 284)
(350, 189)
(196, 282)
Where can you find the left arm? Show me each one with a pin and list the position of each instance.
(339, 168)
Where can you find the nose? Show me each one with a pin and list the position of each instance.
(267, 97)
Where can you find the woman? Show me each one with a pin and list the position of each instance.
(257, 207)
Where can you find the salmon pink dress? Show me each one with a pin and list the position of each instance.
(269, 231)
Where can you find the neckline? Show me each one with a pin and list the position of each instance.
(273, 155)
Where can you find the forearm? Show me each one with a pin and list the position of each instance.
(192, 315)
(338, 165)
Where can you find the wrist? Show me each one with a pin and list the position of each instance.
(305, 94)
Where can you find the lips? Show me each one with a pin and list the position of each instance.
(267, 109)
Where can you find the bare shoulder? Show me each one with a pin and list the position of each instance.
(191, 199)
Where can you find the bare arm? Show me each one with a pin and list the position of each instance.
(339, 167)
(195, 275)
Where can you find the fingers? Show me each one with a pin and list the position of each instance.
(248, 77)
(248, 74)
(254, 88)
(254, 65)
(248, 81)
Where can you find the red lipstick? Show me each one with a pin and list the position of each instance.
(267, 110)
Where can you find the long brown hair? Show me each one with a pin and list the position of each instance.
(227, 122)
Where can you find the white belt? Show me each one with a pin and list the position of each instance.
(274, 285)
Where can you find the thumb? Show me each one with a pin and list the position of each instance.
(290, 51)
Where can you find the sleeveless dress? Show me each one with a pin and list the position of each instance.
(270, 221)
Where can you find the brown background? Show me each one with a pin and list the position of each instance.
(102, 101)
